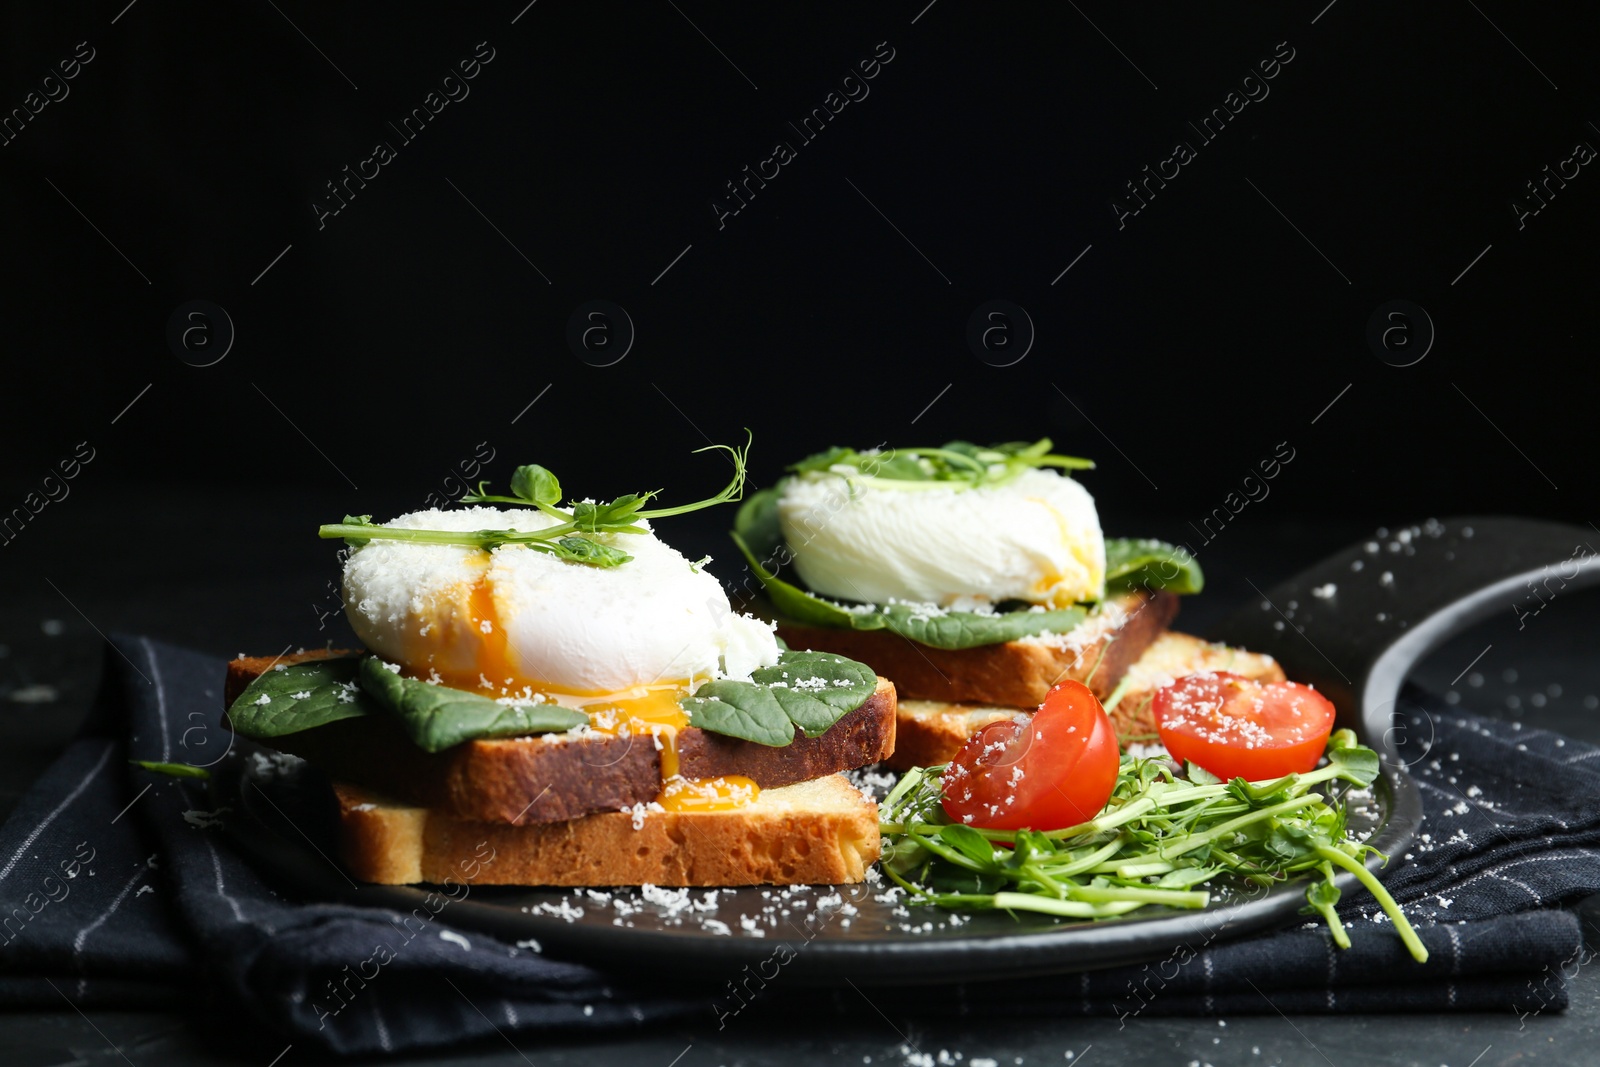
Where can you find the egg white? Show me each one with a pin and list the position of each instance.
(1036, 538)
(515, 620)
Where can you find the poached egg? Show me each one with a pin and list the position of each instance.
(622, 643)
(1034, 538)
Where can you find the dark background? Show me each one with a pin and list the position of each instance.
(413, 329)
(375, 354)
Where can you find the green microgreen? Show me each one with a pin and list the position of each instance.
(173, 770)
(572, 538)
(957, 464)
(1160, 840)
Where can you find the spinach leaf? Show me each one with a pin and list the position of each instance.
(795, 603)
(752, 714)
(966, 629)
(950, 630)
(437, 717)
(1145, 563)
(757, 523)
(811, 690)
(299, 697)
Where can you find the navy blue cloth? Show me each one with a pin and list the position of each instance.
(117, 889)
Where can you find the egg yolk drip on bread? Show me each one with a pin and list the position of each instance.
(621, 644)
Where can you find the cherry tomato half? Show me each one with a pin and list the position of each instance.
(1238, 728)
(1053, 769)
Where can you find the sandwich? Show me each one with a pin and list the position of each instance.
(976, 579)
(559, 684)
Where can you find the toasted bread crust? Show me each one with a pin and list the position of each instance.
(930, 731)
(866, 735)
(1014, 674)
(531, 780)
(1171, 656)
(380, 842)
(818, 832)
(517, 780)
(246, 669)
(542, 779)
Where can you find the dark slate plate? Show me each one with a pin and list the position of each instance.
(1353, 631)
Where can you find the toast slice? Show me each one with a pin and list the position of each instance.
(824, 831)
(1171, 656)
(554, 778)
(932, 731)
(1015, 674)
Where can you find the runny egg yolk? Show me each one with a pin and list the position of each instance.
(480, 643)
(1050, 579)
(657, 712)
(708, 794)
(492, 659)
(646, 709)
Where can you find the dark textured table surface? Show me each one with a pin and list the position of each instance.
(62, 588)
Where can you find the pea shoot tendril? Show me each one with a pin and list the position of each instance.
(574, 537)
(1162, 838)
